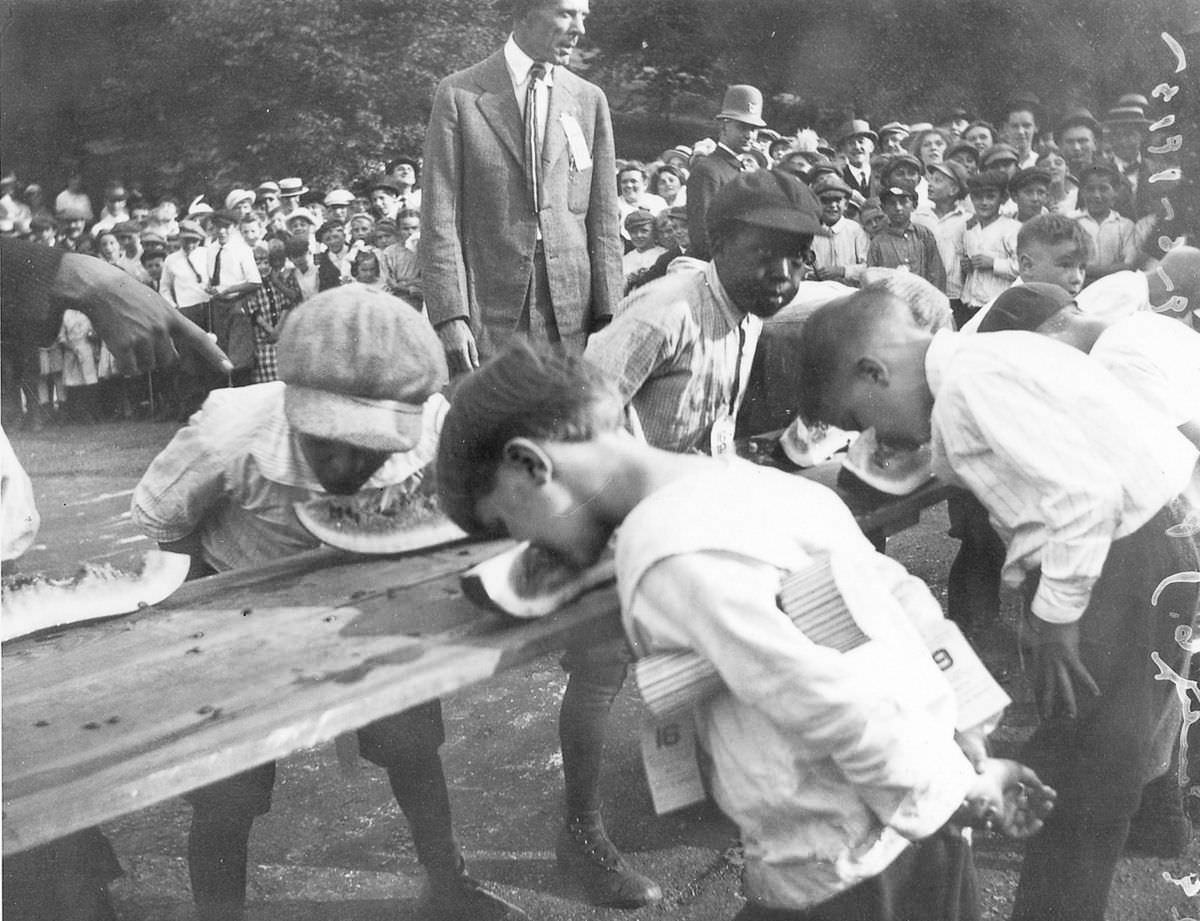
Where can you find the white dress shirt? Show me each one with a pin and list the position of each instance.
(830, 763)
(1063, 456)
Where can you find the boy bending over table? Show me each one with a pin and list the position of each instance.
(357, 406)
(842, 770)
(1091, 495)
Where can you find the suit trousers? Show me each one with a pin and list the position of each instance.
(537, 322)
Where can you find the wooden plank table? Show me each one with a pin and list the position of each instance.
(237, 669)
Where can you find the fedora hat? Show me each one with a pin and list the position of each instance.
(856, 127)
(1080, 116)
(743, 103)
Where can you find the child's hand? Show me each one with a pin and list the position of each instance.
(1008, 797)
(1058, 668)
(982, 262)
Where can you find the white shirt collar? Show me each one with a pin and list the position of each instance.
(519, 62)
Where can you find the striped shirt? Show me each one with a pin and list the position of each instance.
(913, 249)
(673, 349)
(234, 472)
(1058, 502)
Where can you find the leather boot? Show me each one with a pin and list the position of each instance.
(585, 853)
(452, 895)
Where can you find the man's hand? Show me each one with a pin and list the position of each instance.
(830, 273)
(1008, 797)
(462, 356)
(1058, 668)
(981, 262)
(138, 325)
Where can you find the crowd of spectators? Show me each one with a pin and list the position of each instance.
(943, 200)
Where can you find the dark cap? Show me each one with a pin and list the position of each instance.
(891, 192)
(1099, 168)
(638, 218)
(1024, 307)
(966, 147)
(326, 227)
(998, 153)
(898, 160)
(826, 182)
(402, 159)
(384, 182)
(952, 170)
(1080, 116)
(1024, 177)
(766, 198)
(127, 228)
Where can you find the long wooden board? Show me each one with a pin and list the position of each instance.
(106, 718)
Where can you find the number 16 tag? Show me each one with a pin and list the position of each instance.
(669, 757)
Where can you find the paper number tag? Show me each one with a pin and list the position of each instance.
(576, 143)
(720, 442)
(669, 757)
(977, 696)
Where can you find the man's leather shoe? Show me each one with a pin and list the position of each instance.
(458, 897)
(585, 853)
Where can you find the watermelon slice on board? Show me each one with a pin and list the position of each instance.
(37, 602)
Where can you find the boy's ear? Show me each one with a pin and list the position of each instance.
(872, 370)
(531, 458)
(1023, 263)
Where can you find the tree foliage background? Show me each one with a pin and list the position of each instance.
(187, 96)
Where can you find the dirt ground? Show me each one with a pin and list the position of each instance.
(334, 846)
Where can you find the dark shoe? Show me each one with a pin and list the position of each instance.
(1160, 828)
(1161, 836)
(458, 897)
(585, 853)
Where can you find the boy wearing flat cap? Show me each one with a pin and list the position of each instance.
(904, 244)
(358, 406)
(840, 246)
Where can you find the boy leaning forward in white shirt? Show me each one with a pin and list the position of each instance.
(1094, 498)
(842, 770)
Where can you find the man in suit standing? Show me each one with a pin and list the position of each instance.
(519, 232)
(737, 128)
(856, 142)
(514, 244)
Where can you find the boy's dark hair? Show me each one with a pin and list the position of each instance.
(1052, 229)
(832, 338)
(990, 179)
(527, 391)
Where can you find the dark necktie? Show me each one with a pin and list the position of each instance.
(533, 138)
(216, 272)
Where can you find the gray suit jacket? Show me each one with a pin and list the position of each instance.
(478, 230)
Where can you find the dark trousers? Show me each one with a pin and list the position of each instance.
(974, 581)
(65, 880)
(934, 880)
(1101, 761)
(405, 745)
(595, 676)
